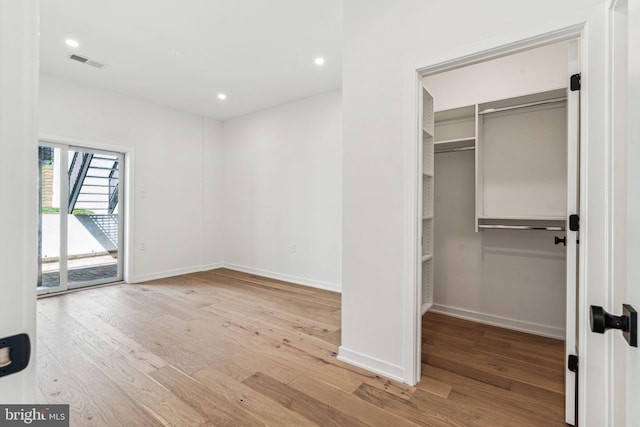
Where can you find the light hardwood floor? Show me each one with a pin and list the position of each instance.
(225, 348)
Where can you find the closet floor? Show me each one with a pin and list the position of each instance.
(227, 348)
(489, 373)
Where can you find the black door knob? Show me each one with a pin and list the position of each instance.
(602, 321)
(557, 240)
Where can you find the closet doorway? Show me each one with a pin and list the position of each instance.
(80, 232)
(498, 193)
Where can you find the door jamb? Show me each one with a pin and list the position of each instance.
(412, 305)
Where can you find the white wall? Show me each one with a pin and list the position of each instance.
(523, 73)
(514, 279)
(509, 278)
(385, 42)
(18, 172)
(177, 171)
(282, 187)
(282, 182)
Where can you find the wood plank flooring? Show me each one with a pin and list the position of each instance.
(223, 348)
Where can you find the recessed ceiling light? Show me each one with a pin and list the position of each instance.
(319, 61)
(222, 96)
(71, 43)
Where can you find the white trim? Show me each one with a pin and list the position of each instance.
(425, 307)
(333, 287)
(212, 266)
(372, 364)
(128, 274)
(85, 143)
(70, 290)
(63, 249)
(243, 269)
(500, 321)
(202, 187)
(484, 51)
(166, 273)
(487, 54)
(412, 289)
(128, 271)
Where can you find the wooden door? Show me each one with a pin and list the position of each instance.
(623, 368)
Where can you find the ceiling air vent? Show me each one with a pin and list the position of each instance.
(87, 61)
(78, 58)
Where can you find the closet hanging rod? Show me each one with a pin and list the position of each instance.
(529, 104)
(520, 227)
(452, 150)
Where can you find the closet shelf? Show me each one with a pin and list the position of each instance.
(511, 223)
(540, 98)
(426, 257)
(522, 218)
(456, 115)
(470, 140)
(458, 144)
(427, 217)
(519, 227)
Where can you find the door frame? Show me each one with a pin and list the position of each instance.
(412, 304)
(620, 409)
(64, 217)
(126, 231)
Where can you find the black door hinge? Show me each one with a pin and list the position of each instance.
(575, 82)
(574, 222)
(572, 365)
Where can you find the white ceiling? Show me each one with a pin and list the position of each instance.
(182, 53)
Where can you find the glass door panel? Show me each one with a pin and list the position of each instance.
(49, 224)
(80, 236)
(93, 228)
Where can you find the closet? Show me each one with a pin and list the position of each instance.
(494, 201)
(496, 171)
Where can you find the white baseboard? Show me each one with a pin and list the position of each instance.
(176, 272)
(285, 277)
(213, 266)
(425, 307)
(372, 364)
(250, 270)
(503, 322)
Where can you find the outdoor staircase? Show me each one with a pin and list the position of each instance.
(93, 183)
(93, 195)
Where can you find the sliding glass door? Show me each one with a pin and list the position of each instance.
(80, 227)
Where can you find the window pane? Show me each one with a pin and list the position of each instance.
(93, 225)
(49, 224)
